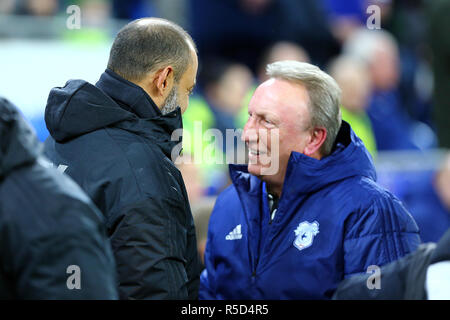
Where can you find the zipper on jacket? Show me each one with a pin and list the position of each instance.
(273, 206)
(272, 215)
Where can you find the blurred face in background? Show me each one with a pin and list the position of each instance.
(442, 183)
(232, 88)
(42, 7)
(354, 80)
(280, 51)
(279, 106)
(384, 66)
(96, 13)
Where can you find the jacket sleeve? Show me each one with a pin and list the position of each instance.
(193, 265)
(400, 279)
(207, 278)
(378, 234)
(206, 291)
(156, 252)
(65, 265)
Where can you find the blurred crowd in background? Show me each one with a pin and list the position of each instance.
(395, 81)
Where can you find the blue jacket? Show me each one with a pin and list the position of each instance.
(332, 221)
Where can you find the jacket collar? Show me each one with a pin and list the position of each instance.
(128, 95)
(151, 124)
(165, 131)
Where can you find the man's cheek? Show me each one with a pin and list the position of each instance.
(271, 160)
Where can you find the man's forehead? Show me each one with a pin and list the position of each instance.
(282, 85)
(281, 92)
(280, 100)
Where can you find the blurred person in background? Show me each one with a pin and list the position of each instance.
(439, 25)
(202, 212)
(406, 20)
(198, 120)
(428, 200)
(392, 126)
(224, 85)
(316, 218)
(279, 51)
(41, 8)
(239, 30)
(346, 17)
(353, 78)
(48, 225)
(114, 139)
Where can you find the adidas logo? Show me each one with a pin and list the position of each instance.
(235, 234)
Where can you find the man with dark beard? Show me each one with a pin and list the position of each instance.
(114, 140)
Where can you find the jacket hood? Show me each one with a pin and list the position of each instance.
(18, 143)
(80, 107)
(305, 174)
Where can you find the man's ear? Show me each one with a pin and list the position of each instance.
(316, 141)
(163, 81)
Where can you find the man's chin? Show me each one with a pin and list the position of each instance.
(254, 169)
(260, 171)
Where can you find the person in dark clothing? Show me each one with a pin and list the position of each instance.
(421, 275)
(115, 139)
(427, 196)
(439, 24)
(239, 30)
(53, 243)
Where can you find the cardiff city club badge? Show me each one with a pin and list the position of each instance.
(305, 233)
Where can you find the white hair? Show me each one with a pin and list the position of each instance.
(324, 95)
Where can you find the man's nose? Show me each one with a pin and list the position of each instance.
(249, 133)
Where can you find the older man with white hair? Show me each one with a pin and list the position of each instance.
(306, 211)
